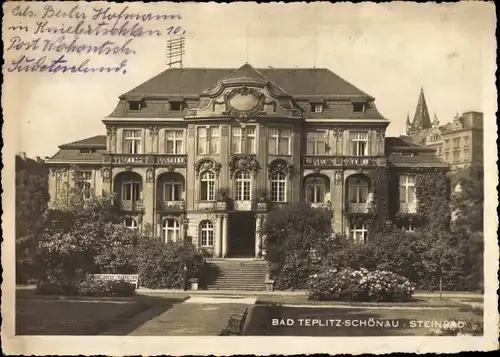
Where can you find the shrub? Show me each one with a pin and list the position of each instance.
(56, 288)
(292, 232)
(161, 264)
(91, 287)
(359, 285)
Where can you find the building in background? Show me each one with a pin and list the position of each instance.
(204, 154)
(458, 143)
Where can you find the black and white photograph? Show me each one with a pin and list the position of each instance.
(244, 178)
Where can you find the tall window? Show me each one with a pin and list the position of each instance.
(279, 140)
(207, 181)
(359, 143)
(250, 139)
(357, 190)
(236, 140)
(172, 191)
(466, 141)
(316, 143)
(174, 139)
(243, 181)
(208, 140)
(171, 230)
(317, 108)
(87, 184)
(456, 142)
(407, 189)
(132, 141)
(131, 191)
(206, 234)
(358, 231)
(130, 223)
(278, 187)
(315, 189)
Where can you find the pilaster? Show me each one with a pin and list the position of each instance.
(218, 236)
(224, 235)
(148, 197)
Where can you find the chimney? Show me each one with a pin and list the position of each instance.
(22, 155)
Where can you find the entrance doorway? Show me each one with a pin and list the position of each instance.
(241, 235)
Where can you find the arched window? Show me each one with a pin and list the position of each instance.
(278, 187)
(357, 190)
(207, 186)
(171, 230)
(243, 181)
(315, 189)
(206, 234)
(130, 223)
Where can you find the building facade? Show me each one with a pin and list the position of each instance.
(205, 154)
(458, 143)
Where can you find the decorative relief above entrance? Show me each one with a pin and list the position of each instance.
(243, 162)
(280, 165)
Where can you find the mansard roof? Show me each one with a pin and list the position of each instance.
(94, 142)
(396, 149)
(298, 82)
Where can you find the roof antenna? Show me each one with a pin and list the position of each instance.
(175, 50)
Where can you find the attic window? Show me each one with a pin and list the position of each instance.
(407, 154)
(358, 107)
(135, 105)
(317, 108)
(176, 106)
(86, 152)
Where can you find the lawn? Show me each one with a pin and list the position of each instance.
(266, 320)
(302, 300)
(74, 316)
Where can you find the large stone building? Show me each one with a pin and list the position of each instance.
(204, 154)
(458, 143)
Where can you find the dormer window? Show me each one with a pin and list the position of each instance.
(176, 106)
(407, 154)
(358, 107)
(86, 152)
(134, 106)
(317, 108)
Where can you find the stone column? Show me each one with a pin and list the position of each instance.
(218, 237)
(148, 198)
(258, 243)
(224, 235)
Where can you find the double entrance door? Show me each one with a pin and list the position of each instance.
(241, 235)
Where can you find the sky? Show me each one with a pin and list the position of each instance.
(389, 51)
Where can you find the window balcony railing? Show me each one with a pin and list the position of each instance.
(323, 205)
(336, 161)
(355, 207)
(173, 206)
(408, 207)
(243, 205)
(131, 205)
(146, 159)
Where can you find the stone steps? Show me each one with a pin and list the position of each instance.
(235, 275)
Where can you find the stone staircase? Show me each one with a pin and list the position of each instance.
(234, 274)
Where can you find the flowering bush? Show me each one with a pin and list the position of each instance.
(359, 285)
(92, 287)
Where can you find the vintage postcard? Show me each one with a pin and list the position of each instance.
(243, 178)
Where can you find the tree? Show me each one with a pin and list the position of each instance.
(467, 225)
(291, 234)
(32, 197)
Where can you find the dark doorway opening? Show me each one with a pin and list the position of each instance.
(241, 235)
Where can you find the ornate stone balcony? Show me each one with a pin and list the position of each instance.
(146, 159)
(262, 206)
(221, 205)
(358, 207)
(173, 206)
(310, 161)
(408, 207)
(323, 205)
(243, 205)
(171, 159)
(126, 205)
